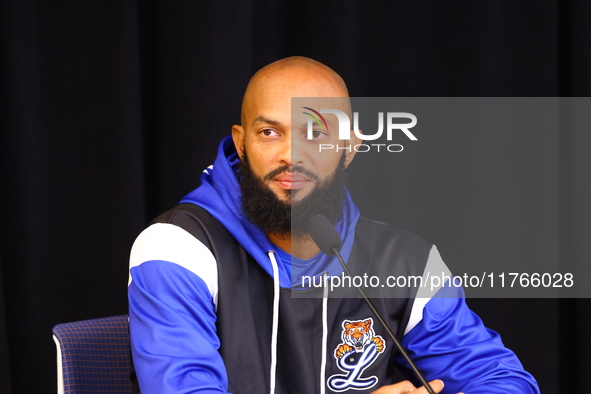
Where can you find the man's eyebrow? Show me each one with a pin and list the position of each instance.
(262, 119)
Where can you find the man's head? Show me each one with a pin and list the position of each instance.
(280, 167)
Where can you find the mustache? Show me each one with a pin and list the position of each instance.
(292, 170)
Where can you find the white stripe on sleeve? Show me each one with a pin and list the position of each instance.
(434, 267)
(167, 242)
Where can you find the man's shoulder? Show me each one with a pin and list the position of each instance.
(196, 221)
(183, 214)
(385, 251)
(379, 233)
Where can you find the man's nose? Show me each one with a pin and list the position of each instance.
(290, 153)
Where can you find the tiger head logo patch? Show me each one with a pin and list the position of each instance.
(359, 348)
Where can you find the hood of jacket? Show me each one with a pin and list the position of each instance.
(219, 194)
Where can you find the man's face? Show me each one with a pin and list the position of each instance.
(279, 153)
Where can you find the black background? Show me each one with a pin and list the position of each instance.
(111, 109)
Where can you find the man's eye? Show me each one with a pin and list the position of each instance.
(269, 133)
(317, 133)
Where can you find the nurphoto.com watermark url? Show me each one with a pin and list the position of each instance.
(436, 281)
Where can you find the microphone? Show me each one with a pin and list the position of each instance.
(329, 242)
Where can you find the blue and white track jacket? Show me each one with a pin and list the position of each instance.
(215, 308)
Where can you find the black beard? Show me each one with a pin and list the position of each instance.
(265, 210)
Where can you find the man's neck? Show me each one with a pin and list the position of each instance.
(302, 247)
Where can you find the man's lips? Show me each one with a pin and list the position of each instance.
(292, 181)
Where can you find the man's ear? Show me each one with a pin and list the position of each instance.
(355, 140)
(238, 138)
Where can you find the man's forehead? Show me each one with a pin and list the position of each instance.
(280, 110)
(300, 116)
(266, 120)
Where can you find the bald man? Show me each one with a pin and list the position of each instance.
(211, 281)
